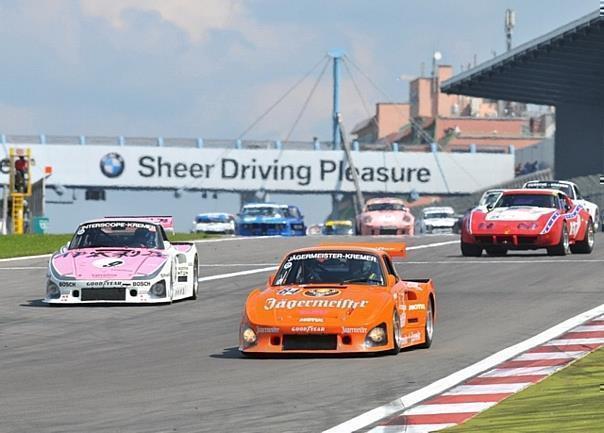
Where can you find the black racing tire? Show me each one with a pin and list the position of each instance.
(585, 245)
(496, 251)
(195, 278)
(396, 324)
(563, 247)
(470, 250)
(429, 327)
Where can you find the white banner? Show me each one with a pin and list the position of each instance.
(272, 170)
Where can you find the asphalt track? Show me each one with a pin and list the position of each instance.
(175, 368)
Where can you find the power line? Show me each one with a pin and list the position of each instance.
(278, 101)
(373, 118)
(306, 102)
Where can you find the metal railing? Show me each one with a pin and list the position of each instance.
(211, 143)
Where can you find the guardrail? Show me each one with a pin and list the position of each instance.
(213, 143)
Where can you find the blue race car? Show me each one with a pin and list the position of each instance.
(269, 219)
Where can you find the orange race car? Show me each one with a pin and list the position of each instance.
(339, 298)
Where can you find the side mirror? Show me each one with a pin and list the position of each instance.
(271, 279)
(167, 244)
(64, 248)
(391, 280)
(567, 207)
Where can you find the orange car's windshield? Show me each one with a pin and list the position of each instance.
(330, 267)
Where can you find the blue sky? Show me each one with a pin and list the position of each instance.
(210, 67)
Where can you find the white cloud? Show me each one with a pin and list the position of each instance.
(196, 18)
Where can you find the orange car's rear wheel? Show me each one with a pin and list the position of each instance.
(429, 327)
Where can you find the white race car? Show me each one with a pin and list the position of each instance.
(571, 190)
(437, 220)
(122, 260)
(214, 223)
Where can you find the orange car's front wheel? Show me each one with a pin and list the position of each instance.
(396, 333)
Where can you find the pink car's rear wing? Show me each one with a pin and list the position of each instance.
(167, 222)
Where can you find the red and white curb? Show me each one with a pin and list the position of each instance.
(463, 399)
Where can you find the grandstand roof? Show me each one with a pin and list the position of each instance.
(563, 66)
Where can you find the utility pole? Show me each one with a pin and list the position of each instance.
(360, 200)
(336, 55)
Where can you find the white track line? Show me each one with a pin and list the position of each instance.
(236, 274)
(14, 259)
(501, 262)
(411, 399)
(200, 241)
(21, 268)
(243, 238)
(272, 268)
(436, 244)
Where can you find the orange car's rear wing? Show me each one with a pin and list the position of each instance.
(391, 248)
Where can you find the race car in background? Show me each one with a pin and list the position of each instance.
(338, 227)
(270, 219)
(437, 220)
(338, 298)
(122, 260)
(214, 223)
(528, 219)
(572, 191)
(489, 198)
(385, 216)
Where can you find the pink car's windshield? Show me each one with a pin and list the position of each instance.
(384, 206)
(116, 234)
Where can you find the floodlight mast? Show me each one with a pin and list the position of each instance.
(510, 23)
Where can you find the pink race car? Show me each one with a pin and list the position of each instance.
(122, 260)
(385, 216)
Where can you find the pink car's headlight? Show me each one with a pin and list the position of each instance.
(407, 218)
(367, 219)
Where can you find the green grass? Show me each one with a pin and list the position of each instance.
(568, 401)
(29, 244)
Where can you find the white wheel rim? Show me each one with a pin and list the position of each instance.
(565, 240)
(590, 235)
(429, 322)
(396, 324)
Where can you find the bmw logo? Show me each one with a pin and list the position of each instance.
(112, 164)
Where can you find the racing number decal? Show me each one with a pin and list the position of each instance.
(574, 227)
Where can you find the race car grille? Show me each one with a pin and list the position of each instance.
(104, 294)
(310, 342)
(388, 231)
(263, 226)
(526, 240)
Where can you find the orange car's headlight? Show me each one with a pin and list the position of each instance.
(377, 336)
(248, 335)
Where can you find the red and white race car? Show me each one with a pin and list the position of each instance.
(528, 219)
